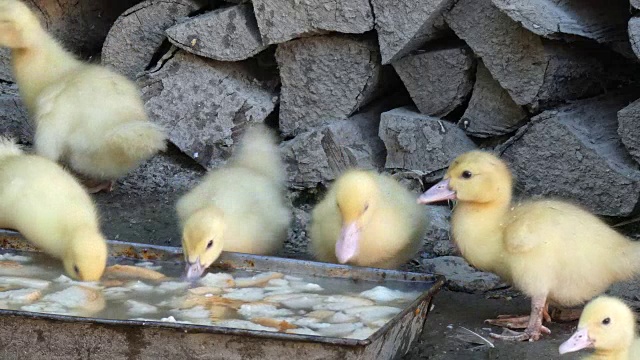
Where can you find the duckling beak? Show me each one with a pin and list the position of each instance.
(347, 244)
(437, 192)
(579, 340)
(194, 270)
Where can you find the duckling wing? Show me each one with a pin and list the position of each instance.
(533, 224)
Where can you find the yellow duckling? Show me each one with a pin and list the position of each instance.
(240, 207)
(52, 210)
(552, 251)
(367, 219)
(609, 326)
(86, 116)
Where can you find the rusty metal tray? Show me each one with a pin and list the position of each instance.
(27, 335)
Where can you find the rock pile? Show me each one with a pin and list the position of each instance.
(402, 86)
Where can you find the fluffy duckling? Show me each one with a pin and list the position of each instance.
(609, 326)
(51, 210)
(552, 251)
(86, 116)
(367, 219)
(239, 207)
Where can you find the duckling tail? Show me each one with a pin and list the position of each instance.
(9, 147)
(258, 151)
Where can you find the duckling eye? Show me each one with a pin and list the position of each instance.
(209, 244)
(75, 268)
(366, 206)
(606, 321)
(466, 174)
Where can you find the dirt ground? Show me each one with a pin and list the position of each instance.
(132, 213)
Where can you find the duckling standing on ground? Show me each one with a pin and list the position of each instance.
(86, 116)
(552, 251)
(609, 326)
(52, 210)
(239, 207)
(367, 219)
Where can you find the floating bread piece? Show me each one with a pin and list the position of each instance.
(112, 283)
(368, 314)
(24, 282)
(149, 265)
(250, 311)
(243, 324)
(14, 257)
(135, 272)
(302, 331)
(195, 313)
(307, 322)
(14, 268)
(321, 314)
(220, 280)
(69, 281)
(362, 333)
(340, 318)
(280, 324)
(245, 294)
(20, 296)
(342, 302)
(339, 330)
(139, 286)
(220, 312)
(305, 286)
(384, 294)
(297, 300)
(257, 280)
(206, 290)
(172, 286)
(83, 299)
(116, 293)
(282, 283)
(192, 300)
(140, 308)
(9, 264)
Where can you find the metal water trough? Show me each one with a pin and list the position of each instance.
(26, 335)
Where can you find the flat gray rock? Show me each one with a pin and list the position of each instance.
(460, 276)
(491, 111)
(5, 65)
(438, 81)
(534, 71)
(405, 25)
(635, 4)
(14, 120)
(574, 152)
(602, 21)
(629, 128)
(325, 78)
(320, 155)
(283, 20)
(419, 142)
(634, 35)
(204, 104)
(138, 33)
(227, 34)
(438, 239)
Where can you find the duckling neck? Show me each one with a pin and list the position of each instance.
(39, 65)
(477, 231)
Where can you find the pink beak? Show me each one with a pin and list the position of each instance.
(194, 270)
(578, 341)
(347, 244)
(437, 192)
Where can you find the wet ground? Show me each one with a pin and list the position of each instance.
(145, 213)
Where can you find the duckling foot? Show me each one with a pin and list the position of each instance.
(534, 328)
(517, 322)
(94, 186)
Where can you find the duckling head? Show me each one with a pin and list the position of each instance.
(86, 256)
(606, 324)
(19, 26)
(202, 240)
(475, 176)
(357, 196)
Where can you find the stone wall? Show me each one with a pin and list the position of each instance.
(401, 86)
